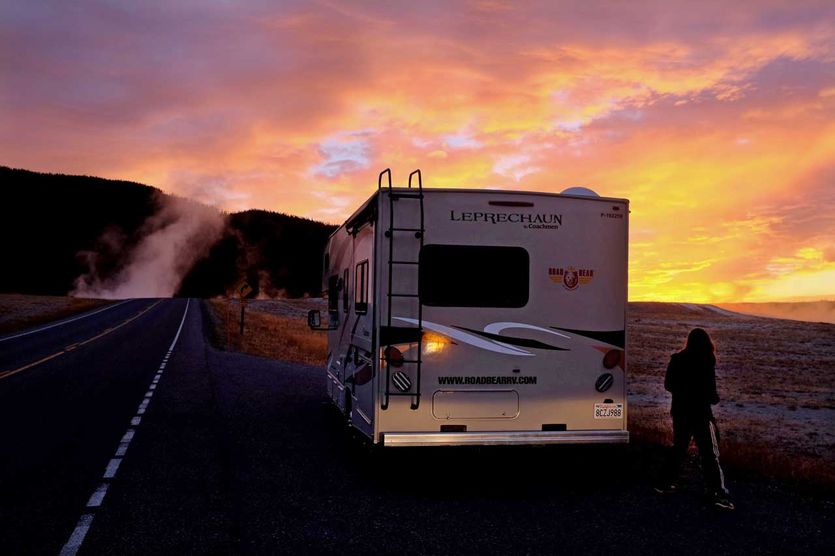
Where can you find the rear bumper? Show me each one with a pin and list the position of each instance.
(501, 438)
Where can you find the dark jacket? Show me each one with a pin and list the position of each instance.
(691, 379)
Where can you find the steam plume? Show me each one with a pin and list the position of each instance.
(179, 234)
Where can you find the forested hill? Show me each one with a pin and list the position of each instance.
(278, 254)
(55, 228)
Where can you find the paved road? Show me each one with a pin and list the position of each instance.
(237, 454)
(61, 420)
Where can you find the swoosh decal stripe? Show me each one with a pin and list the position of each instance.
(615, 338)
(470, 339)
(522, 342)
(498, 327)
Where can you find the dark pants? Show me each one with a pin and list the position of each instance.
(704, 430)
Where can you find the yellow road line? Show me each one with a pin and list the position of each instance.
(30, 365)
(75, 346)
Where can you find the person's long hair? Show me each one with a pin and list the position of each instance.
(699, 345)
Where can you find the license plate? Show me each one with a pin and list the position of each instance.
(608, 411)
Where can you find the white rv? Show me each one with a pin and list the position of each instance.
(476, 317)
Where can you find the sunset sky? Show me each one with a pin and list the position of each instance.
(716, 119)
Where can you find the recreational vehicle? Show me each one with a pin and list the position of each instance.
(478, 317)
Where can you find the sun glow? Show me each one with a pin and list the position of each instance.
(716, 123)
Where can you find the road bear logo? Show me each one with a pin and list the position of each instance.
(571, 277)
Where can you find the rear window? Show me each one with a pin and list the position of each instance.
(474, 276)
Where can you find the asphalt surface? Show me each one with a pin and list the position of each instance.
(242, 455)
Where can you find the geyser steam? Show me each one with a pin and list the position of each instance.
(179, 234)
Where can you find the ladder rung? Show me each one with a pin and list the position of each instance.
(405, 262)
(404, 295)
(412, 394)
(407, 195)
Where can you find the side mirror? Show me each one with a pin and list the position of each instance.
(314, 319)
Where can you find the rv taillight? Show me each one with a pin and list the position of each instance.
(611, 358)
(393, 356)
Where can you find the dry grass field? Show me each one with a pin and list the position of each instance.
(273, 328)
(776, 377)
(18, 312)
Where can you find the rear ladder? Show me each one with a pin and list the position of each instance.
(403, 385)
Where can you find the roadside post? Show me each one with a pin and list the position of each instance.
(244, 289)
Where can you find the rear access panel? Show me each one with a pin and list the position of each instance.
(475, 404)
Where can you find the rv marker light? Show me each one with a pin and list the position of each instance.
(611, 358)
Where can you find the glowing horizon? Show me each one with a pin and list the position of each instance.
(716, 120)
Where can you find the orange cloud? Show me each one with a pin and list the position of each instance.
(712, 118)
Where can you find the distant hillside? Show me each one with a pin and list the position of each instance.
(54, 228)
(810, 311)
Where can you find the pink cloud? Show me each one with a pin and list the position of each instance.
(717, 109)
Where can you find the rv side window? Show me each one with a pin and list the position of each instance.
(346, 298)
(333, 294)
(473, 276)
(361, 288)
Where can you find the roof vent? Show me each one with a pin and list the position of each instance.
(581, 191)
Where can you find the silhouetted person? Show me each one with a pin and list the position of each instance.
(691, 379)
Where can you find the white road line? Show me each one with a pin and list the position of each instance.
(77, 536)
(180, 329)
(112, 468)
(152, 386)
(97, 497)
(63, 322)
